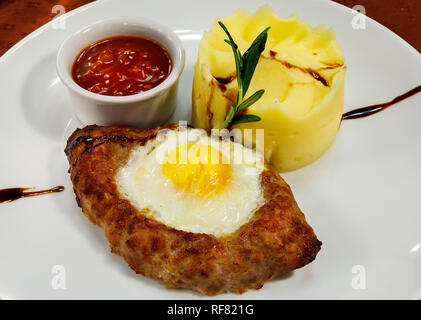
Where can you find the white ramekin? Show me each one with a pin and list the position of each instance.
(145, 109)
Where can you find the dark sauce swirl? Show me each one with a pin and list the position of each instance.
(370, 110)
(225, 80)
(12, 194)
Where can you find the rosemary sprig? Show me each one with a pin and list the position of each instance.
(245, 66)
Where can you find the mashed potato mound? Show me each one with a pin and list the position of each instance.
(302, 71)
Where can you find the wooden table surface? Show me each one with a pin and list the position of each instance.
(19, 18)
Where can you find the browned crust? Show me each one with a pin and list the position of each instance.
(276, 240)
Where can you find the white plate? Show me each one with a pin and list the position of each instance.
(362, 197)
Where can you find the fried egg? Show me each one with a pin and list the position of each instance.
(194, 182)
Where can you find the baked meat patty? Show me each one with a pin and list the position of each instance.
(276, 240)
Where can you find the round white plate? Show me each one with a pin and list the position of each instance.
(362, 197)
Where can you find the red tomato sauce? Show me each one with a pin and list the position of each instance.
(121, 66)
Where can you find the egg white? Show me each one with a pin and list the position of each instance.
(143, 183)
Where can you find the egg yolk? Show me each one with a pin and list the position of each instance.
(198, 170)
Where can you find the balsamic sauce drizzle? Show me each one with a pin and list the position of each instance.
(370, 110)
(12, 194)
(225, 80)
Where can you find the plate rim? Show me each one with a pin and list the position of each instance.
(33, 36)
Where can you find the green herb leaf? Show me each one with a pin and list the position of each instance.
(250, 100)
(230, 114)
(228, 34)
(251, 58)
(243, 118)
(245, 66)
(237, 56)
